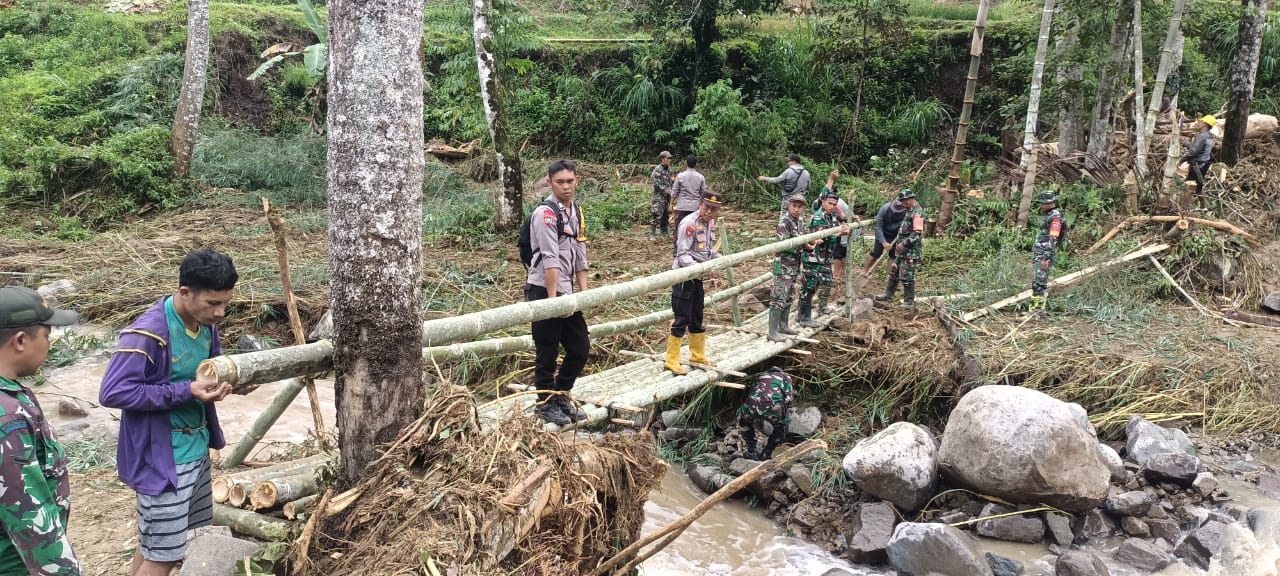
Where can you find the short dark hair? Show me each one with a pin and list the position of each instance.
(691, 161)
(793, 158)
(206, 269)
(7, 334)
(560, 166)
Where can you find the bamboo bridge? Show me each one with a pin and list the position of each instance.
(610, 395)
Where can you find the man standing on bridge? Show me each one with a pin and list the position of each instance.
(888, 221)
(559, 260)
(697, 241)
(786, 268)
(817, 260)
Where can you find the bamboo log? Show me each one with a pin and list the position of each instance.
(275, 492)
(689, 362)
(1254, 319)
(669, 532)
(732, 385)
(1222, 225)
(760, 333)
(1178, 287)
(293, 509)
(238, 495)
(263, 423)
(282, 469)
(251, 523)
(243, 370)
(728, 273)
(295, 321)
(1065, 280)
(582, 399)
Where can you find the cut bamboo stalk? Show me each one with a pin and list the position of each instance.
(728, 273)
(522, 493)
(238, 495)
(799, 352)
(674, 529)
(1065, 280)
(294, 509)
(689, 362)
(761, 333)
(253, 524)
(1215, 224)
(275, 492)
(623, 422)
(582, 399)
(733, 385)
(243, 370)
(288, 468)
(263, 423)
(1178, 287)
(295, 321)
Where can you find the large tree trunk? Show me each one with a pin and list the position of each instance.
(1140, 161)
(1070, 80)
(375, 222)
(1110, 78)
(1173, 153)
(509, 203)
(1172, 39)
(1244, 71)
(186, 119)
(962, 130)
(1033, 116)
(857, 99)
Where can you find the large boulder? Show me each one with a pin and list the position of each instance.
(922, 549)
(1024, 446)
(867, 540)
(1272, 302)
(898, 464)
(1144, 440)
(1199, 547)
(1080, 563)
(1143, 555)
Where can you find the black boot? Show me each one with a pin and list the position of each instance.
(549, 410)
(568, 409)
(890, 287)
(779, 431)
(749, 438)
(784, 325)
(908, 294)
(805, 318)
(775, 318)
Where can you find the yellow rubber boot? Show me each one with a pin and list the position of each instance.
(698, 349)
(673, 356)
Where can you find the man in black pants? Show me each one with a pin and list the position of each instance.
(697, 241)
(559, 262)
(888, 220)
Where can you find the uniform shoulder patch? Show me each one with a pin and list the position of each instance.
(688, 231)
(12, 424)
(917, 222)
(549, 219)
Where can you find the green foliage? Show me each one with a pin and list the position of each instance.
(752, 137)
(288, 170)
(314, 57)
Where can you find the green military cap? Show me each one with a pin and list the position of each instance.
(21, 307)
(906, 194)
(1046, 197)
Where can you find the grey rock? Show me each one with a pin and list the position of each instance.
(1173, 467)
(323, 330)
(1244, 468)
(1114, 463)
(215, 555)
(1059, 528)
(1238, 512)
(1001, 566)
(838, 572)
(1158, 511)
(870, 529)
(740, 466)
(1079, 563)
(71, 408)
(1144, 440)
(862, 309)
(1205, 483)
(679, 434)
(1135, 503)
(1135, 527)
(953, 517)
(899, 464)
(1023, 446)
(808, 514)
(1269, 484)
(1192, 516)
(1200, 546)
(1265, 523)
(1096, 524)
(1143, 555)
(805, 421)
(708, 479)
(250, 343)
(1271, 303)
(54, 291)
(802, 476)
(1163, 528)
(673, 418)
(920, 549)
(1013, 529)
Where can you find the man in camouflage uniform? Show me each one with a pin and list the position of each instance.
(769, 401)
(1045, 250)
(817, 261)
(35, 492)
(908, 248)
(660, 204)
(785, 269)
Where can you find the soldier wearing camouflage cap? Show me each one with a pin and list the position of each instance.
(786, 268)
(769, 401)
(35, 493)
(1045, 250)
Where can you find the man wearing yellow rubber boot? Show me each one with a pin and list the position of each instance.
(697, 241)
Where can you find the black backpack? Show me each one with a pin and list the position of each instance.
(525, 243)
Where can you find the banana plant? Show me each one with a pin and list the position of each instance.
(314, 57)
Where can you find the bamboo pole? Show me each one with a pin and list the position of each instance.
(282, 469)
(760, 333)
(1178, 287)
(251, 524)
(275, 492)
(243, 370)
(1140, 162)
(1064, 280)
(673, 530)
(581, 399)
(263, 423)
(1172, 37)
(291, 305)
(728, 274)
(1222, 225)
(1029, 149)
(238, 496)
(962, 127)
(293, 509)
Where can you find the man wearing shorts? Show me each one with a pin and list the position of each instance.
(168, 422)
(888, 221)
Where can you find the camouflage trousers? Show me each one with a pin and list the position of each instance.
(815, 275)
(784, 283)
(904, 269)
(659, 211)
(1041, 265)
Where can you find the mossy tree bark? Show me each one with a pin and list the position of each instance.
(1110, 81)
(195, 73)
(375, 168)
(509, 203)
(1029, 151)
(1244, 72)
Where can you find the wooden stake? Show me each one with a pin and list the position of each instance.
(674, 529)
(295, 322)
(1065, 280)
(301, 558)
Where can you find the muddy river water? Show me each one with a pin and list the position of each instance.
(731, 540)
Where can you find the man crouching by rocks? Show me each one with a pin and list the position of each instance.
(770, 401)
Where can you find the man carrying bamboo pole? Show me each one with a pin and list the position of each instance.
(168, 421)
(35, 490)
(559, 261)
(908, 248)
(1045, 250)
(696, 242)
(817, 278)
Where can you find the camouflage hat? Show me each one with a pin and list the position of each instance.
(906, 194)
(664, 154)
(22, 307)
(1046, 197)
(713, 198)
(797, 199)
(828, 193)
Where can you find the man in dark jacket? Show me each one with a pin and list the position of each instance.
(888, 221)
(168, 421)
(1198, 152)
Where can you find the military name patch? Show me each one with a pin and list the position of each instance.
(11, 426)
